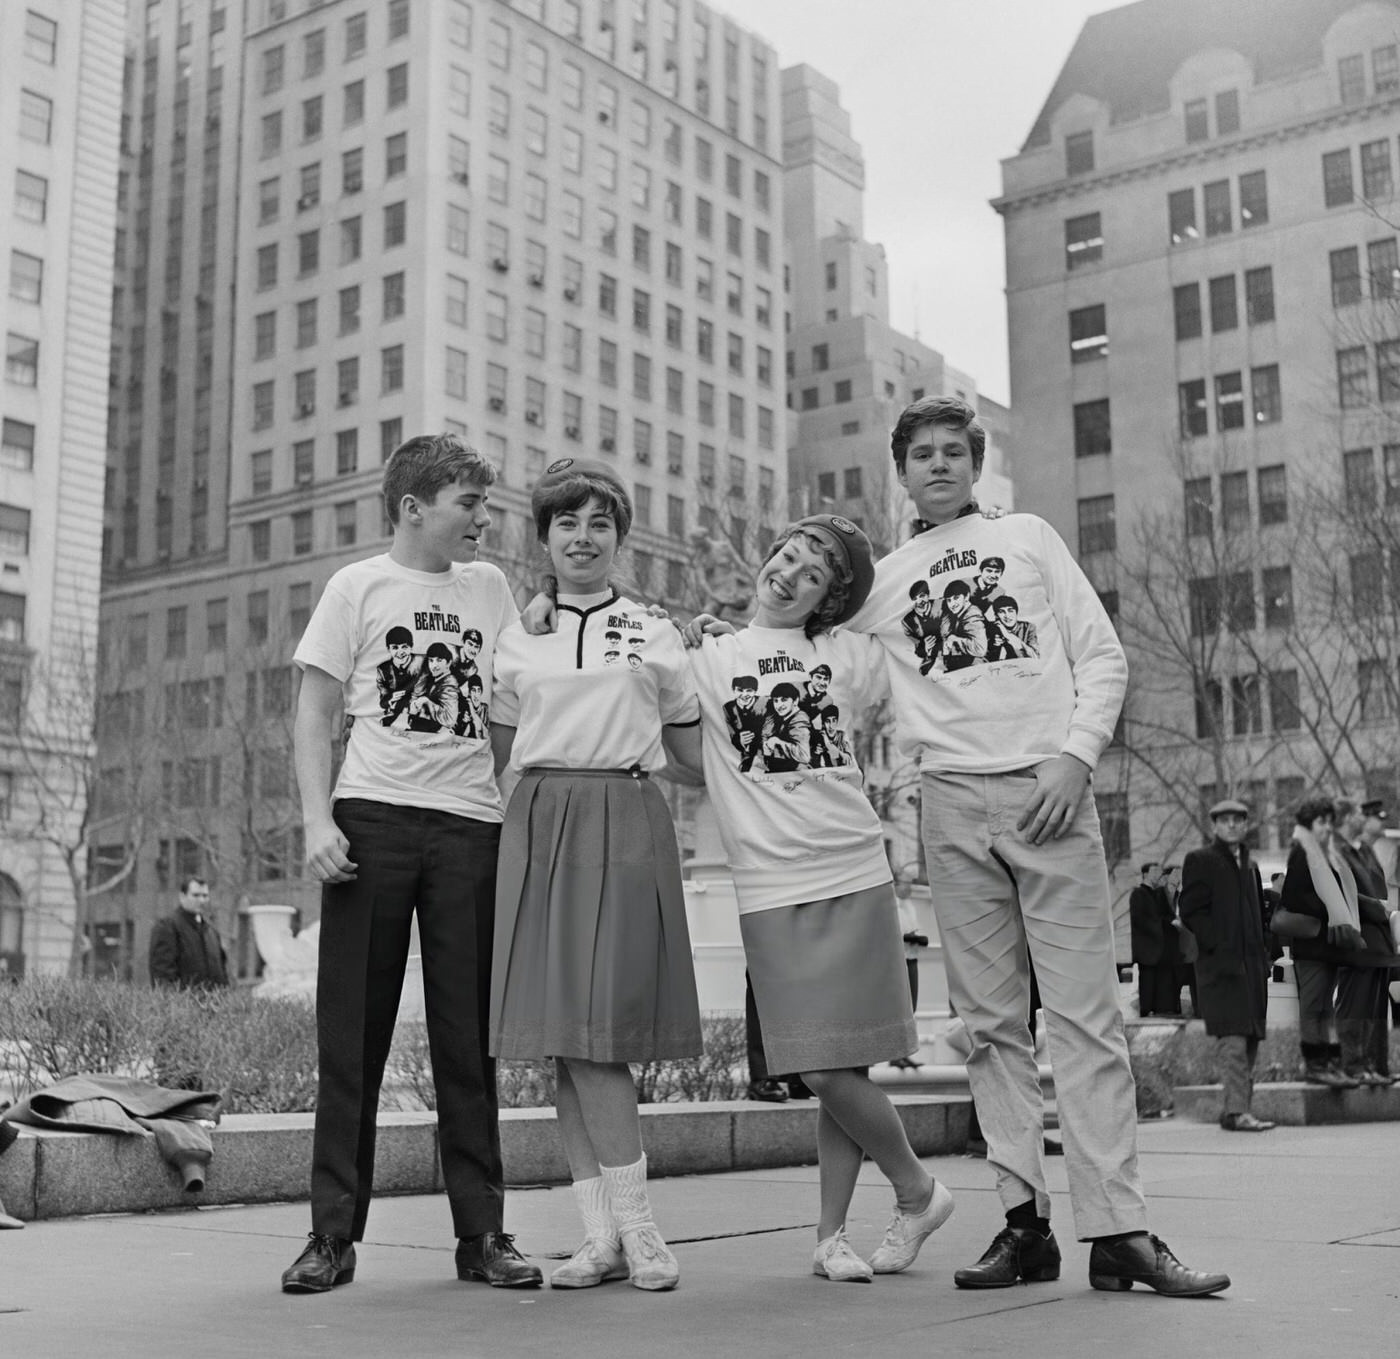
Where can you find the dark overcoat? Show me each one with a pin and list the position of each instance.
(1154, 935)
(1222, 905)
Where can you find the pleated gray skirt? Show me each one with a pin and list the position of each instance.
(830, 983)
(592, 953)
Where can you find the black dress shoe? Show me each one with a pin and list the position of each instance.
(492, 1258)
(1116, 1266)
(1017, 1254)
(1245, 1122)
(769, 1091)
(327, 1262)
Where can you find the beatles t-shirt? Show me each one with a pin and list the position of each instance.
(413, 651)
(1000, 653)
(595, 693)
(780, 765)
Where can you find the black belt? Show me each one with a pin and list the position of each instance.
(635, 772)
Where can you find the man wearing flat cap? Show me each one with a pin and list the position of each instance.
(1222, 904)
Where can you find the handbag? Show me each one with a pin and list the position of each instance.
(1294, 924)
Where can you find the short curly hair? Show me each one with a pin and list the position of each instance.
(824, 616)
(1314, 807)
(937, 410)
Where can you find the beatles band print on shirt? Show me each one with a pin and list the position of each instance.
(792, 727)
(439, 689)
(962, 621)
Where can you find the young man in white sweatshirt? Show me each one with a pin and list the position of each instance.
(1016, 861)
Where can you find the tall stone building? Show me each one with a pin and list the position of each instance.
(554, 226)
(1202, 277)
(60, 89)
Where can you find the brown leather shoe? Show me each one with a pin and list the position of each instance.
(326, 1263)
(1016, 1255)
(1115, 1266)
(492, 1258)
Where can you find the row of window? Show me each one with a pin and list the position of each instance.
(1377, 177)
(1229, 601)
(1265, 402)
(1246, 707)
(1381, 281)
(1222, 299)
(1236, 513)
(1367, 485)
(1354, 389)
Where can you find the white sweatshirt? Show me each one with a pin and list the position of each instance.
(975, 689)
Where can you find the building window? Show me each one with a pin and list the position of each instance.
(1272, 486)
(40, 38)
(455, 381)
(843, 391)
(395, 155)
(1345, 265)
(1254, 199)
(1351, 79)
(1353, 377)
(1246, 699)
(21, 360)
(395, 224)
(308, 253)
(1266, 394)
(345, 524)
(1359, 479)
(1092, 434)
(1336, 178)
(820, 358)
(1278, 597)
(1234, 501)
(1284, 707)
(1079, 153)
(1200, 512)
(1215, 203)
(391, 364)
(1224, 314)
(1259, 295)
(1191, 405)
(1088, 334)
(353, 112)
(1097, 525)
(260, 540)
(17, 446)
(1385, 69)
(1186, 308)
(1197, 120)
(1388, 370)
(14, 531)
(350, 243)
(26, 277)
(31, 196)
(1383, 265)
(1181, 216)
(347, 452)
(1229, 401)
(1376, 182)
(1227, 112)
(1083, 240)
(35, 117)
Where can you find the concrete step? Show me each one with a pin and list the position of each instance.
(1295, 1104)
(266, 1158)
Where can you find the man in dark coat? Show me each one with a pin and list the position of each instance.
(186, 951)
(1155, 948)
(1222, 904)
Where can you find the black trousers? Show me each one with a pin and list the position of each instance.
(1159, 989)
(444, 867)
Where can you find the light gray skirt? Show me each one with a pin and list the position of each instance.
(592, 953)
(830, 983)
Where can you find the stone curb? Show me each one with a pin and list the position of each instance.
(1293, 1104)
(263, 1158)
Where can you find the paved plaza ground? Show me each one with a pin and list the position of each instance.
(1306, 1220)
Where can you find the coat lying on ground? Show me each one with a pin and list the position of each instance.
(122, 1104)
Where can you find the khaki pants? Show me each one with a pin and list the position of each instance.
(997, 896)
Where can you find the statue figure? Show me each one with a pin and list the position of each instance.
(727, 580)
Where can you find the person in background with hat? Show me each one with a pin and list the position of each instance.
(1222, 904)
(1016, 861)
(817, 908)
(592, 954)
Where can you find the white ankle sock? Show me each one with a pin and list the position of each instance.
(627, 1193)
(592, 1198)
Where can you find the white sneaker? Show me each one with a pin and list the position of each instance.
(593, 1263)
(908, 1231)
(837, 1261)
(649, 1260)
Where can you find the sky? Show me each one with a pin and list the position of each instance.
(939, 92)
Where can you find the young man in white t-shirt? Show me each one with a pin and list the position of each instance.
(1015, 860)
(412, 827)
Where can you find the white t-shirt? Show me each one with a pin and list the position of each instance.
(413, 652)
(779, 765)
(1001, 654)
(596, 693)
